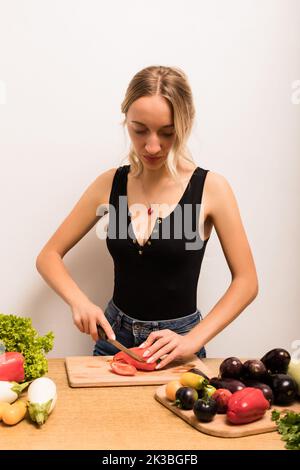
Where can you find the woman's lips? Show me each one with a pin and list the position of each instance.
(152, 159)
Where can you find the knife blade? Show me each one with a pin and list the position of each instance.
(118, 345)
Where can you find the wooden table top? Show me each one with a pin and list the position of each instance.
(126, 418)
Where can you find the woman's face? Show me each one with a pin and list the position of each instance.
(151, 129)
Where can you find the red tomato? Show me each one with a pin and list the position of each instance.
(121, 368)
(123, 357)
(222, 396)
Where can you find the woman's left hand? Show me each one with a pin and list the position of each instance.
(166, 342)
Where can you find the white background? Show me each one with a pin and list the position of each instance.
(64, 69)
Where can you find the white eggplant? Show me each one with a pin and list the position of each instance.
(294, 372)
(42, 397)
(10, 391)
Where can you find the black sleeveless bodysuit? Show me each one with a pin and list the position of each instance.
(157, 281)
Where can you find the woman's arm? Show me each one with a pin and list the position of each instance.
(49, 262)
(244, 284)
(224, 213)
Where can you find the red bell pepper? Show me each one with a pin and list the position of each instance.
(247, 405)
(123, 357)
(12, 367)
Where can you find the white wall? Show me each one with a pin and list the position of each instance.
(64, 69)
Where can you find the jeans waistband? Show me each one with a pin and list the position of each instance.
(159, 324)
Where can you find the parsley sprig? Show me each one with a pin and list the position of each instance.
(288, 427)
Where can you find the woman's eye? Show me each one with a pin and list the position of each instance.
(143, 132)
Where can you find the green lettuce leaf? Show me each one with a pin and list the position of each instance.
(18, 334)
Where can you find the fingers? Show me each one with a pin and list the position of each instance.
(169, 358)
(107, 328)
(86, 317)
(153, 337)
(81, 323)
(162, 351)
(159, 343)
(94, 331)
(86, 325)
(78, 323)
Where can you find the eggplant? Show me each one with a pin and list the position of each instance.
(266, 389)
(277, 361)
(231, 368)
(232, 385)
(284, 389)
(294, 372)
(216, 382)
(254, 369)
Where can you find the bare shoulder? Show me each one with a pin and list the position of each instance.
(108, 174)
(102, 185)
(217, 193)
(216, 181)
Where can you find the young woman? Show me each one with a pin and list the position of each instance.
(166, 206)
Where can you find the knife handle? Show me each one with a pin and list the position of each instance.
(101, 333)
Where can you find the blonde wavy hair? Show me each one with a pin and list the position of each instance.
(172, 84)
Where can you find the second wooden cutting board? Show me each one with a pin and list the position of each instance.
(219, 426)
(95, 371)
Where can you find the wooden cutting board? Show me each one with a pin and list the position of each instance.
(95, 371)
(219, 426)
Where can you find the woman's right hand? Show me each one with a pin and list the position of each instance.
(87, 315)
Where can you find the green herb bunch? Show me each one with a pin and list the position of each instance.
(289, 427)
(18, 334)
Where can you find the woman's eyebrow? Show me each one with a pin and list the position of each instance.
(163, 127)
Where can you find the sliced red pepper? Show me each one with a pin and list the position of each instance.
(246, 405)
(12, 367)
(123, 357)
(121, 368)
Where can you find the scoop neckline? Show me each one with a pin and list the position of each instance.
(178, 203)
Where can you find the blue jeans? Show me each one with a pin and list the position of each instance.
(131, 332)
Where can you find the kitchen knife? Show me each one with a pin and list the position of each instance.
(114, 342)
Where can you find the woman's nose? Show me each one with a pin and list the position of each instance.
(153, 146)
(151, 150)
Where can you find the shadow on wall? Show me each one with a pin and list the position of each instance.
(91, 267)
